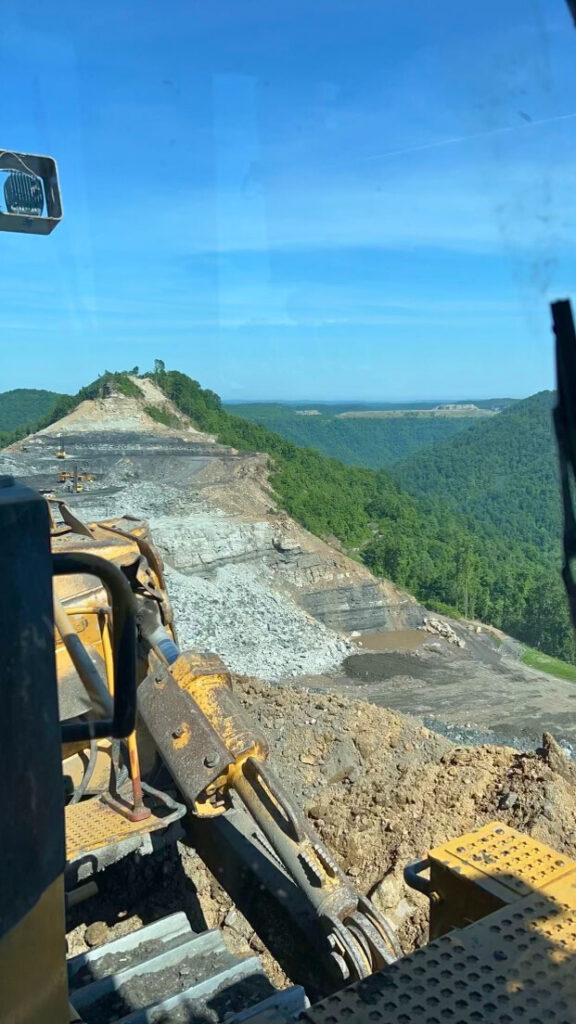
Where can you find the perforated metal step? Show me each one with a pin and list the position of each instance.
(500, 858)
(97, 835)
(489, 868)
(514, 963)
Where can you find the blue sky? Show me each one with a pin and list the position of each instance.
(363, 199)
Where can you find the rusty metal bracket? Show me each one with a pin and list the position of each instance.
(189, 746)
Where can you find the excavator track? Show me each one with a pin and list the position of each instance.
(166, 972)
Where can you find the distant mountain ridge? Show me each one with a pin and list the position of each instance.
(503, 474)
(350, 433)
(332, 407)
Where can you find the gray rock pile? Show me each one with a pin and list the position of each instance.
(233, 610)
(441, 628)
(256, 631)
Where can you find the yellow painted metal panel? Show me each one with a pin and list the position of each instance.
(91, 825)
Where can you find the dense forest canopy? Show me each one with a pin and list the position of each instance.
(364, 441)
(503, 473)
(452, 560)
(23, 407)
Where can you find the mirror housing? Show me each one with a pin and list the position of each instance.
(30, 174)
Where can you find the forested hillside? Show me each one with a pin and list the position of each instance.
(503, 474)
(363, 441)
(24, 406)
(445, 558)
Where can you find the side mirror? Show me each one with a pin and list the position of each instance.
(31, 193)
(123, 604)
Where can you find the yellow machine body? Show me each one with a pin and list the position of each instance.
(91, 824)
(480, 872)
(206, 680)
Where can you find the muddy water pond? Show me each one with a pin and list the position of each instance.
(393, 640)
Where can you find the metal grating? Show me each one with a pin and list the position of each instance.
(91, 825)
(515, 861)
(516, 965)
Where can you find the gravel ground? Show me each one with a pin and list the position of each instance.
(255, 631)
(234, 612)
(137, 498)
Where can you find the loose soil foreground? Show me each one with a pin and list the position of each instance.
(380, 789)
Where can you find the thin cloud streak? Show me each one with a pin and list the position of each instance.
(473, 135)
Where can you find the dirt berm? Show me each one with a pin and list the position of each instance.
(379, 787)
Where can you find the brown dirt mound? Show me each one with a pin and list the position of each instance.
(380, 789)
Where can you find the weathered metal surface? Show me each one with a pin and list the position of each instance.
(207, 680)
(205, 738)
(32, 977)
(181, 733)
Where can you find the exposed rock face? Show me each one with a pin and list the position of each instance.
(325, 587)
(203, 542)
(360, 607)
(210, 508)
(443, 629)
(339, 592)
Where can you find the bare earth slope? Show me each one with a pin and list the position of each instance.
(215, 502)
(121, 414)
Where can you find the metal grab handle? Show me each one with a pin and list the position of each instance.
(124, 646)
(413, 877)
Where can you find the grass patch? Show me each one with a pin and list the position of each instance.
(163, 416)
(553, 666)
(444, 609)
(121, 381)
